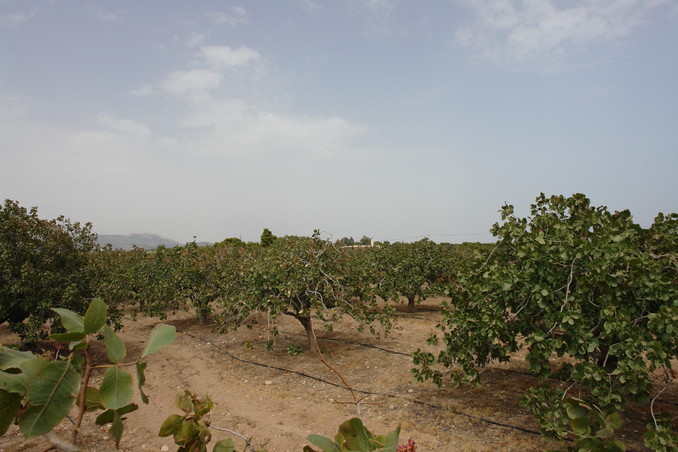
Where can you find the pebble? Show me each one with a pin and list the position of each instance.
(164, 448)
(268, 382)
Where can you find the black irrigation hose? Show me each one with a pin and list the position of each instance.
(519, 372)
(419, 402)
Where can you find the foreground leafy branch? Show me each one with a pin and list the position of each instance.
(37, 393)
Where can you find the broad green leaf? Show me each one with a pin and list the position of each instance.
(161, 336)
(16, 383)
(68, 337)
(356, 434)
(73, 322)
(105, 417)
(108, 416)
(9, 407)
(92, 399)
(614, 420)
(390, 441)
(115, 348)
(186, 430)
(51, 397)
(184, 402)
(116, 429)
(141, 380)
(80, 345)
(324, 443)
(580, 425)
(575, 411)
(95, 317)
(171, 425)
(12, 359)
(116, 389)
(227, 445)
(33, 367)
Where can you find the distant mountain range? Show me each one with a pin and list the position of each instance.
(146, 241)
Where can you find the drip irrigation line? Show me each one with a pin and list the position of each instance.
(353, 342)
(395, 396)
(513, 371)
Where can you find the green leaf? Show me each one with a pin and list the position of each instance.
(116, 389)
(12, 359)
(141, 380)
(104, 418)
(116, 429)
(115, 348)
(72, 321)
(390, 441)
(108, 415)
(575, 411)
(68, 337)
(227, 445)
(614, 420)
(95, 317)
(92, 399)
(161, 336)
(580, 425)
(9, 407)
(171, 425)
(324, 443)
(33, 367)
(356, 434)
(15, 383)
(51, 397)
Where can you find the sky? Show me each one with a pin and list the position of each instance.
(393, 119)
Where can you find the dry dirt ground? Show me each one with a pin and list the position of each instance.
(278, 399)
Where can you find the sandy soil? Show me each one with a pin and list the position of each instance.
(278, 399)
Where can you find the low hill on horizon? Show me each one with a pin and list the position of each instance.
(126, 242)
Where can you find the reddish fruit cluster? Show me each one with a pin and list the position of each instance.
(409, 447)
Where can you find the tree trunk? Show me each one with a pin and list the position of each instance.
(203, 313)
(410, 303)
(308, 326)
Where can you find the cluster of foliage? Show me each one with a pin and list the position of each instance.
(38, 393)
(574, 281)
(191, 430)
(354, 437)
(350, 241)
(304, 278)
(43, 263)
(414, 270)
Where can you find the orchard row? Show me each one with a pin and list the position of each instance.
(591, 296)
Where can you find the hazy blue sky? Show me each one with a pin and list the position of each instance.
(388, 118)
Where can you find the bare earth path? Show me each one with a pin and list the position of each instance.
(278, 399)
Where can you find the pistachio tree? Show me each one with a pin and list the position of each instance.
(43, 263)
(570, 281)
(303, 277)
(412, 270)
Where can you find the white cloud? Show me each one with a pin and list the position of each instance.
(378, 5)
(238, 128)
(195, 39)
(542, 31)
(224, 57)
(195, 80)
(309, 5)
(16, 19)
(144, 90)
(125, 126)
(235, 16)
(107, 16)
